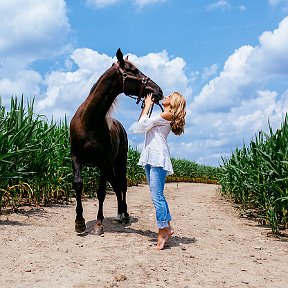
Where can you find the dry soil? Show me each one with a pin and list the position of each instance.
(212, 246)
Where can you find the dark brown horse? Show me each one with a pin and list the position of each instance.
(101, 141)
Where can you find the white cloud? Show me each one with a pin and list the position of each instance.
(253, 114)
(209, 71)
(23, 81)
(225, 5)
(69, 89)
(271, 54)
(282, 3)
(237, 103)
(221, 4)
(277, 2)
(242, 8)
(142, 3)
(248, 67)
(222, 92)
(31, 31)
(106, 3)
(168, 73)
(210, 135)
(101, 3)
(34, 27)
(230, 108)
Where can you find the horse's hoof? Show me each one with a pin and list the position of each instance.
(97, 230)
(118, 218)
(80, 226)
(125, 219)
(122, 218)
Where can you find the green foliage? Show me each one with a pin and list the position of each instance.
(135, 173)
(33, 153)
(35, 165)
(189, 171)
(184, 171)
(257, 176)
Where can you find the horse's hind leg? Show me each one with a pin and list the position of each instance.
(123, 188)
(116, 187)
(122, 170)
(80, 226)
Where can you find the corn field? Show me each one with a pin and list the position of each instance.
(35, 166)
(257, 176)
(34, 162)
(189, 171)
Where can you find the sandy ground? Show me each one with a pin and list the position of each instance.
(212, 246)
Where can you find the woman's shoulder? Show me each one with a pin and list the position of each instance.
(166, 115)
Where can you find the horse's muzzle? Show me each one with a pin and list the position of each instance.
(157, 97)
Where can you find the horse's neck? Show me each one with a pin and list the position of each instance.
(100, 99)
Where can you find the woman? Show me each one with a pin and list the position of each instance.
(155, 156)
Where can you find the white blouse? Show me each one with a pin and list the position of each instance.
(155, 151)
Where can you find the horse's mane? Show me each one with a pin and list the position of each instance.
(114, 128)
(92, 90)
(109, 115)
(112, 108)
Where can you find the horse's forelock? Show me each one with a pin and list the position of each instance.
(130, 63)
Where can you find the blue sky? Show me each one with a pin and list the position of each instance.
(228, 58)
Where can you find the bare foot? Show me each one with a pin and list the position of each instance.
(170, 229)
(163, 236)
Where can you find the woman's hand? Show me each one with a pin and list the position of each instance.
(148, 100)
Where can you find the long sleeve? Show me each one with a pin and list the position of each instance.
(145, 124)
(155, 151)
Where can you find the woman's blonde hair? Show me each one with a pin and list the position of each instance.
(178, 111)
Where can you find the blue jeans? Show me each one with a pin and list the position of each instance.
(156, 180)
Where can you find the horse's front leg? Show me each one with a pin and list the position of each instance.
(101, 193)
(120, 191)
(80, 226)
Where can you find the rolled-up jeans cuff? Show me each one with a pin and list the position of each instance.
(162, 224)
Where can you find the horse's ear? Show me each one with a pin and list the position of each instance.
(119, 56)
(126, 58)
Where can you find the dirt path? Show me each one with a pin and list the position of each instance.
(212, 246)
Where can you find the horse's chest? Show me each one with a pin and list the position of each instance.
(94, 148)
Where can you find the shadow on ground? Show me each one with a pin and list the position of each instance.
(113, 226)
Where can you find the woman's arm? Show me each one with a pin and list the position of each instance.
(144, 122)
(148, 103)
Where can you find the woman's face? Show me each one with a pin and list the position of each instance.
(166, 101)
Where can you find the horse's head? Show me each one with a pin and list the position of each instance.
(134, 81)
